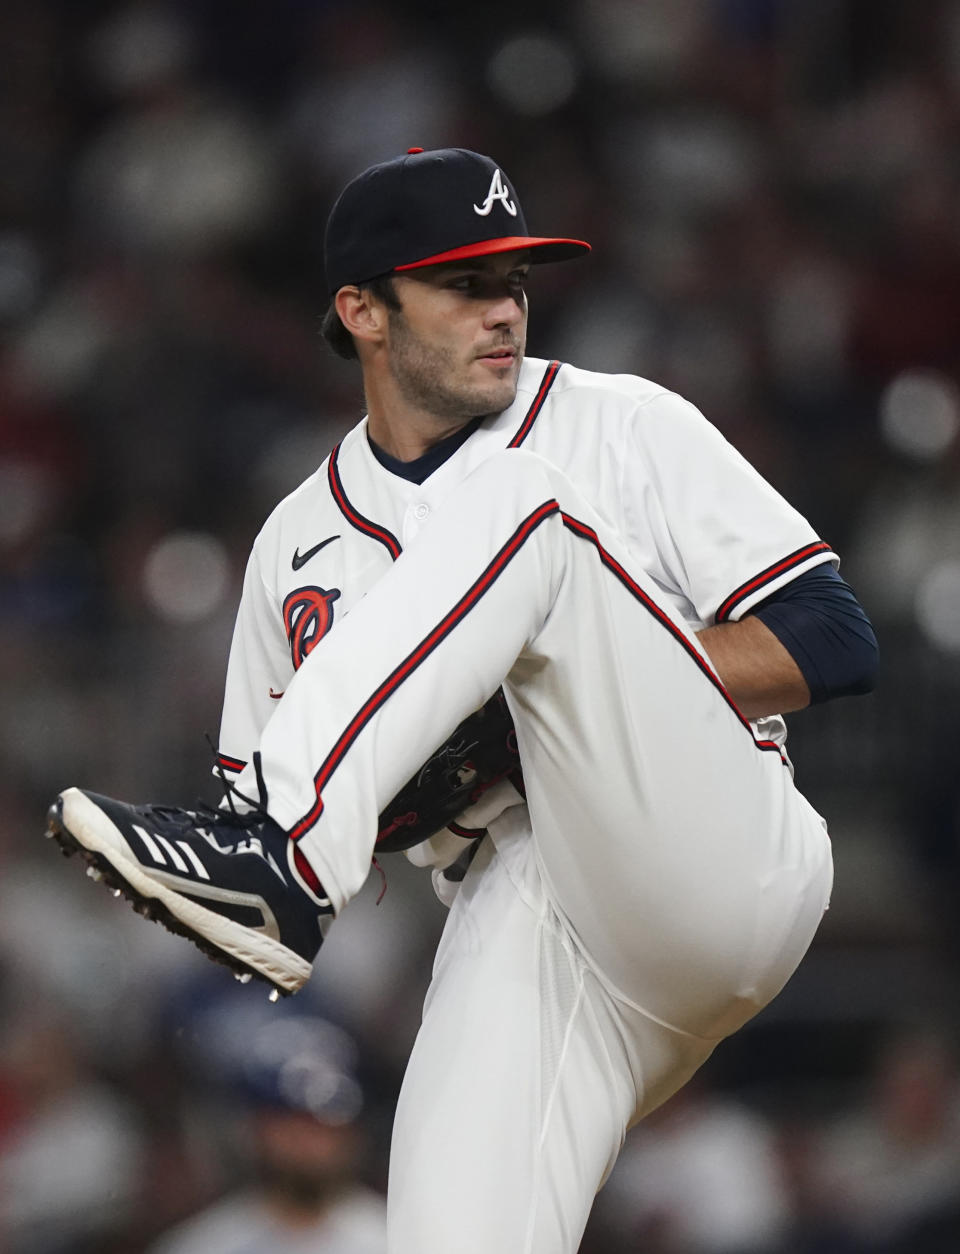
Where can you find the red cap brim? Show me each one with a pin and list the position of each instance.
(543, 250)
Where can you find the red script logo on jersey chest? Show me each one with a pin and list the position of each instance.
(307, 617)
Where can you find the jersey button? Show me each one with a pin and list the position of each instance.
(421, 512)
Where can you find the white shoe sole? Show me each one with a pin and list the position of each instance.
(81, 826)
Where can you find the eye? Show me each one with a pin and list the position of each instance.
(485, 285)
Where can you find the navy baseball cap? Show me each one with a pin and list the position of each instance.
(427, 207)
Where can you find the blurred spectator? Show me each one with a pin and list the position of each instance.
(771, 189)
(71, 1155)
(292, 1107)
(373, 87)
(700, 1176)
(177, 171)
(891, 1168)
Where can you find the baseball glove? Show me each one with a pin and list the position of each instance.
(479, 753)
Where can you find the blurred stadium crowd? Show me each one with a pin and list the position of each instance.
(772, 188)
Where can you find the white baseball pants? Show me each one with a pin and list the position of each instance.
(664, 886)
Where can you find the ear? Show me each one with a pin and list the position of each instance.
(362, 315)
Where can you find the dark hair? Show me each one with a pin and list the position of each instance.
(337, 335)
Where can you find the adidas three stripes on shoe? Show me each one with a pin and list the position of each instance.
(230, 882)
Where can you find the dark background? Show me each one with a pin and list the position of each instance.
(772, 189)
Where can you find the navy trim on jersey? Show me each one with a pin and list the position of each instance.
(353, 515)
(546, 383)
(797, 558)
(422, 468)
(467, 602)
(423, 650)
(587, 533)
(230, 764)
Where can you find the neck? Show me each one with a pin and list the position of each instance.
(402, 430)
(407, 441)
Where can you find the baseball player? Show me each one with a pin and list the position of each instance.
(587, 549)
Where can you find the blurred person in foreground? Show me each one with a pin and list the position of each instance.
(293, 1089)
(581, 562)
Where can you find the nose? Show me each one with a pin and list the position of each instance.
(507, 311)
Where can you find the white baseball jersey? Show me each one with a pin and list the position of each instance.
(664, 877)
(710, 532)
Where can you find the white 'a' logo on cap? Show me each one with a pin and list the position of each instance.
(497, 192)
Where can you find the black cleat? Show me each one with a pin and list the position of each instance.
(232, 883)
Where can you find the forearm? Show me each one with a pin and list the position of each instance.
(755, 668)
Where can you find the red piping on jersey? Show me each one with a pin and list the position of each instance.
(546, 383)
(231, 764)
(587, 533)
(353, 516)
(423, 650)
(767, 576)
(307, 871)
(463, 607)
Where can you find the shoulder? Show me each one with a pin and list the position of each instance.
(299, 499)
(625, 394)
(308, 502)
(559, 398)
(626, 389)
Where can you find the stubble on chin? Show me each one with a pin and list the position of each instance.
(431, 378)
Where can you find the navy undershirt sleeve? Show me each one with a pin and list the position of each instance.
(819, 621)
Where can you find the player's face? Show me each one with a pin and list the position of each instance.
(456, 345)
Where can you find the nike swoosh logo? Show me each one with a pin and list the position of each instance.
(301, 559)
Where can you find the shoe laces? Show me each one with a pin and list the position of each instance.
(202, 814)
(256, 812)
